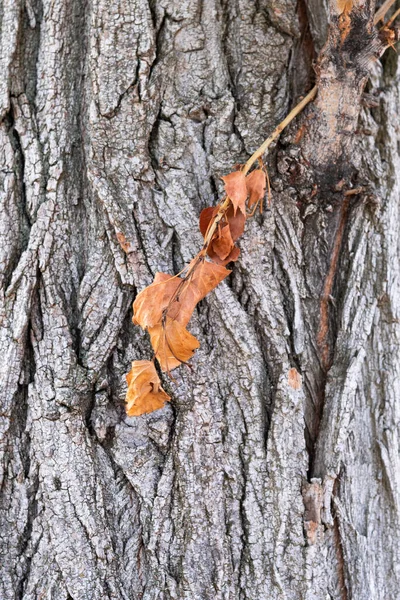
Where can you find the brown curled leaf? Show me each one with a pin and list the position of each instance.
(172, 344)
(256, 184)
(236, 222)
(205, 277)
(145, 393)
(236, 190)
(232, 257)
(222, 244)
(150, 302)
(206, 216)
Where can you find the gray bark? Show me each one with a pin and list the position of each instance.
(274, 473)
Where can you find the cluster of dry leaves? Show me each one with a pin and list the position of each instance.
(165, 307)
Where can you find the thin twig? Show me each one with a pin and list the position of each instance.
(274, 135)
(392, 18)
(211, 229)
(380, 14)
(257, 154)
(278, 130)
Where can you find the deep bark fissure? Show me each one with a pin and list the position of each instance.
(338, 542)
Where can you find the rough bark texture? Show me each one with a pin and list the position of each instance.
(275, 471)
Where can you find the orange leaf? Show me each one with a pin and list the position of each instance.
(236, 222)
(236, 190)
(150, 303)
(234, 255)
(205, 217)
(204, 278)
(145, 393)
(223, 243)
(172, 343)
(344, 6)
(256, 184)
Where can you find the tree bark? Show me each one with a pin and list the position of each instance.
(274, 473)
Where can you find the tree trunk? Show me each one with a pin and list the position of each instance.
(274, 473)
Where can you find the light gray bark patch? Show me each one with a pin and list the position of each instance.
(10, 15)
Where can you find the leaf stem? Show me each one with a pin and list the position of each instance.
(213, 226)
(257, 154)
(278, 130)
(381, 12)
(274, 135)
(392, 18)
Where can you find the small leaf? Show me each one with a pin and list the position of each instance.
(145, 393)
(150, 302)
(223, 243)
(233, 256)
(256, 184)
(172, 344)
(204, 278)
(344, 6)
(236, 222)
(236, 190)
(205, 217)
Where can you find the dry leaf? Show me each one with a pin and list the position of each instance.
(256, 184)
(234, 255)
(145, 393)
(204, 278)
(236, 222)
(172, 344)
(223, 243)
(153, 300)
(344, 6)
(236, 190)
(205, 217)
(150, 303)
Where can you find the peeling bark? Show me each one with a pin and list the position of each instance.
(274, 472)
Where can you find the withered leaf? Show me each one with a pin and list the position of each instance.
(223, 243)
(236, 190)
(205, 217)
(344, 6)
(204, 278)
(236, 222)
(256, 184)
(232, 257)
(150, 302)
(145, 393)
(172, 343)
